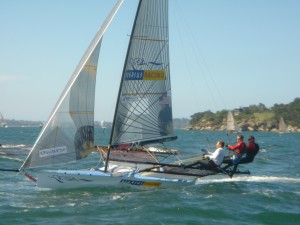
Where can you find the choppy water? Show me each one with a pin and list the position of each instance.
(270, 195)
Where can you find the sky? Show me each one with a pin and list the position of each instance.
(223, 54)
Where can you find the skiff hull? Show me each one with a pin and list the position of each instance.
(64, 179)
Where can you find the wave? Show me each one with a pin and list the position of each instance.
(259, 179)
(11, 158)
(13, 146)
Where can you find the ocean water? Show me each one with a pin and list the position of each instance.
(270, 195)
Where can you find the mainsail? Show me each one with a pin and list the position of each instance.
(144, 110)
(69, 133)
(282, 126)
(2, 121)
(231, 124)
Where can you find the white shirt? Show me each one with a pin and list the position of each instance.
(217, 156)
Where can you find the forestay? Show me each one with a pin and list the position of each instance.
(69, 133)
(144, 108)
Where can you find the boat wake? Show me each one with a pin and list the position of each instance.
(258, 179)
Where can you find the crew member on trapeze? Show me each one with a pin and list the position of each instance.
(243, 154)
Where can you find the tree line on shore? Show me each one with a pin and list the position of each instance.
(254, 117)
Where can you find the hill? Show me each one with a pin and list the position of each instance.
(253, 118)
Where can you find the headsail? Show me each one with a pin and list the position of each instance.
(69, 133)
(144, 110)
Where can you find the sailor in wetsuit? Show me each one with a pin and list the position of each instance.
(252, 150)
(239, 150)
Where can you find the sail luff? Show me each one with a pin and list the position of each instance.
(81, 119)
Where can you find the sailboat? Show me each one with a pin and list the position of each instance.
(231, 127)
(143, 116)
(2, 121)
(102, 124)
(282, 126)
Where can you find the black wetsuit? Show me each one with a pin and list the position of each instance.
(251, 153)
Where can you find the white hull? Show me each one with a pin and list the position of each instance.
(95, 178)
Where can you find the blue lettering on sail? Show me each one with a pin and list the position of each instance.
(134, 75)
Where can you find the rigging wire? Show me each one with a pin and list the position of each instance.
(199, 57)
(200, 62)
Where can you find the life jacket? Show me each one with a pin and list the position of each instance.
(253, 152)
(242, 151)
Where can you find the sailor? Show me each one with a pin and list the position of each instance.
(210, 160)
(239, 150)
(252, 150)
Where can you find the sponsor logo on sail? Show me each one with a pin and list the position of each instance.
(134, 75)
(145, 75)
(53, 151)
(154, 75)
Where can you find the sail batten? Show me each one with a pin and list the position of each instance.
(149, 39)
(137, 142)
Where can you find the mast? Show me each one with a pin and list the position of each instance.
(120, 87)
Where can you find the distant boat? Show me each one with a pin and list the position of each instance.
(282, 126)
(232, 127)
(102, 124)
(2, 121)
